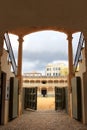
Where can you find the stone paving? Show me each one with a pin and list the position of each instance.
(44, 120)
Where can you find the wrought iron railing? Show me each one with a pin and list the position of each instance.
(10, 51)
(78, 56)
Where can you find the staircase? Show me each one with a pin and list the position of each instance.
(11, 54)
(78, 56)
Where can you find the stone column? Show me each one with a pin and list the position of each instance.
(19, 73)
(70, 65)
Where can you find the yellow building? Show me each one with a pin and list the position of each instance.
(56, 69)
(44, 83)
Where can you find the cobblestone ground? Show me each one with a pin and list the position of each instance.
(44, 120)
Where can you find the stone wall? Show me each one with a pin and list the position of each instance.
(83, 75)
(6, 68)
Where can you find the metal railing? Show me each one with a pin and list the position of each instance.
(78, 56)
(10, 51)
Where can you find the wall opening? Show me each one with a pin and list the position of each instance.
(45, 47)
(44, 92)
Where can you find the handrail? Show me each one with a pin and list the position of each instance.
(11, 54)
(78, 52)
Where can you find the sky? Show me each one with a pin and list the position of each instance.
(42, 48)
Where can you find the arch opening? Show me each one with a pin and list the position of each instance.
(35, 49)
(44, 92)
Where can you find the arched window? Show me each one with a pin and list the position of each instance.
(31, 81)
(50, 81)
(61, 81)
(44, 81)
(37, 81)
(26, 81)
(55, 81)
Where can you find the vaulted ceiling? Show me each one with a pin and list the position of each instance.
(25, 16)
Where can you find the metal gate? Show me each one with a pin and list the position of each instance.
(30, 100)
(59, 98)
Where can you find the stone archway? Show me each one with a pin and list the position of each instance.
(35, 29)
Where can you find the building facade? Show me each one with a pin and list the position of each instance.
(68, 17)
(45, 84)
(56, 69)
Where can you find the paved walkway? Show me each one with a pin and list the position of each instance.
(44, 120)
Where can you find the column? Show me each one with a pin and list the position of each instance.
(19, 73)
(70, 65)
(70, 59)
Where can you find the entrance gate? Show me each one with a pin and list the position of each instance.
(59, 98)
(30, 100)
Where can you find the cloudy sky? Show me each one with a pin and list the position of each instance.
(41, 48)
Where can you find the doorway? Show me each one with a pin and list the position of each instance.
(44, 101)
(2, 97)
(44, 92)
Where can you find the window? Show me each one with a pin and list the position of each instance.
(55, 81)
(48, 69)
(31, 81)
(53, 74)
(50, 81)
(37, 81)
(56, 74)
(59, 74)
(59, 68)
(44, 82)
(26, 81)
(48, 74)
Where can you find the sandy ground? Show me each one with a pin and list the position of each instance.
(46, 103)
(44, 120)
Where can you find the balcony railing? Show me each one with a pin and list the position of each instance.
(78, 56)
(10, 51)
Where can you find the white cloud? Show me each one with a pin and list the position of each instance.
(42, 48)
(45, 41)
(61, 61)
